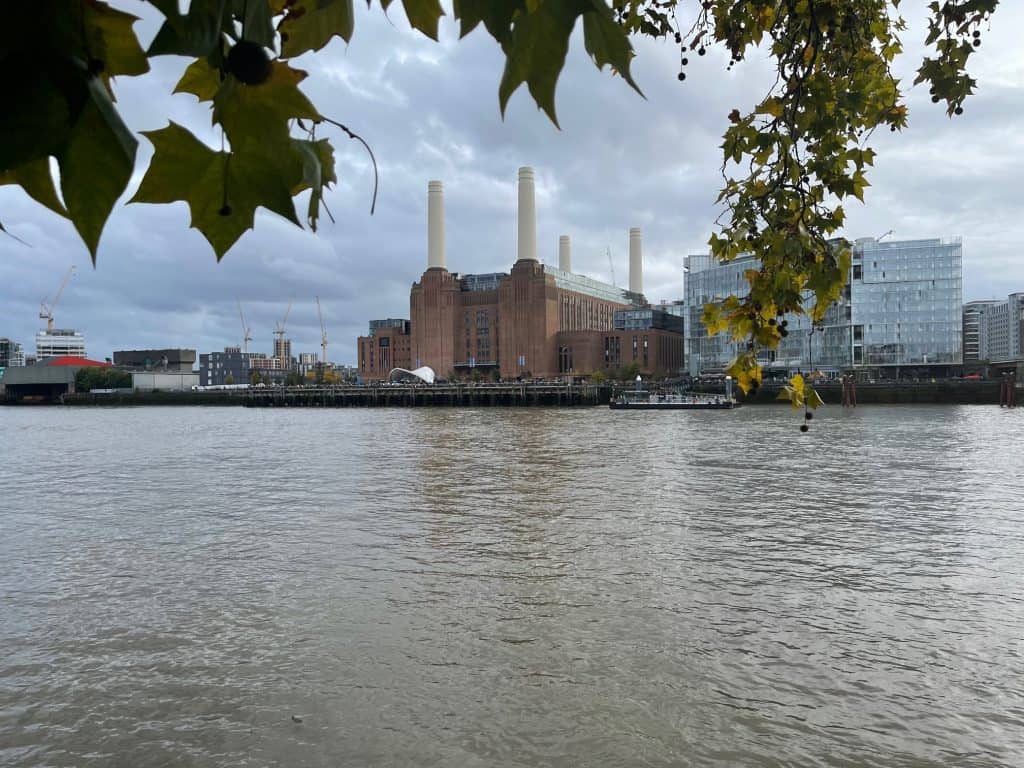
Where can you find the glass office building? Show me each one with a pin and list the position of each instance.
(901, 307)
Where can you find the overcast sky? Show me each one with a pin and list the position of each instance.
(430, 111)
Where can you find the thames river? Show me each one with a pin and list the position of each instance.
(493, 587)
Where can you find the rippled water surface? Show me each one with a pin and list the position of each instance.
(216, 586)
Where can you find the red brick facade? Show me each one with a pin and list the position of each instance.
(527, 327)
(384, 349)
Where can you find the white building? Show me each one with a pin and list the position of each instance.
(59, 342)
(994, 330)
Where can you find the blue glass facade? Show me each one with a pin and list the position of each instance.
(901, 307)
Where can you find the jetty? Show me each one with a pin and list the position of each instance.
(415, 395)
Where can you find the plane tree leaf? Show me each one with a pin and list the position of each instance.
(424, 15)
(96, 164)
(535, 51)
(257, 21)
(606, 41)
(222, 189)
(200, 79)
(195, 33)
(112, 43)
(308, 25)
(35, 178)
(318, 174)
(258, 115)
(496, 16)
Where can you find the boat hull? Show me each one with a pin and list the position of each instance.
(671, 406)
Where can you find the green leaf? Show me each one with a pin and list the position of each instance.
(535, 53)
(309, 25)
(496, 15)
(606, 41)
(257, 21)
(41, 105)
(196, 33)
(424, 15)
(183, 168)
(200, 79)
(37, 181)
(258, 115)
(113, 42)
(317, 174)
(95, 165)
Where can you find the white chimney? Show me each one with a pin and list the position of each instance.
(636, 261)
(435, 225)
(564, 254)
(527, 243)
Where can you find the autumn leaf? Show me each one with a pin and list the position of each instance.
(223, 190)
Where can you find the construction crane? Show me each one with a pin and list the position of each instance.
(246, 331)
(279, 346)
(46, 310)
(323, 332)
(611, 264)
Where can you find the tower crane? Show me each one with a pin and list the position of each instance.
(246, 331)
(611, 264)
(46, 310)
(323, 332)
(279, 346)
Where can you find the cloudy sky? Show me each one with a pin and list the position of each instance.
(430, 110)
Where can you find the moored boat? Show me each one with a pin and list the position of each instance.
(662, 401)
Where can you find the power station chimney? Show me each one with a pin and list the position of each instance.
(636, 261)
(527, 243)
(435, 225)
(564, 254)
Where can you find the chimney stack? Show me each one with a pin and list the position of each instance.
(527, 242)
(435, 225)
(564, 254)
(636, 261)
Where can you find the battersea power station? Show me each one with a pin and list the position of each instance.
(533, 321)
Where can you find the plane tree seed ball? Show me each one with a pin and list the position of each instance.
(248, 61)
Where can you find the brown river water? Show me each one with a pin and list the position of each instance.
(495, 587)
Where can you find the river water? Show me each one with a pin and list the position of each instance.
(533, 587)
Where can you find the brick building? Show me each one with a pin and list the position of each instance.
(385, 347)
(534, 321)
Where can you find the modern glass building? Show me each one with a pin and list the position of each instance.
(907, 300)
(994, 330)
(901, 307)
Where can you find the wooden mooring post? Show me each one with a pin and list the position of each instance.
(1008, 391)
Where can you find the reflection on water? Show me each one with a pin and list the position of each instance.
(511, 587)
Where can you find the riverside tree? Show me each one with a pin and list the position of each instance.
(789, 161)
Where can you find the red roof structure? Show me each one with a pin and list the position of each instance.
(68, 360)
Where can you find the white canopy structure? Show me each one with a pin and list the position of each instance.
(425, 374)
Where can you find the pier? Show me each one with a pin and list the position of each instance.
(411, 396)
